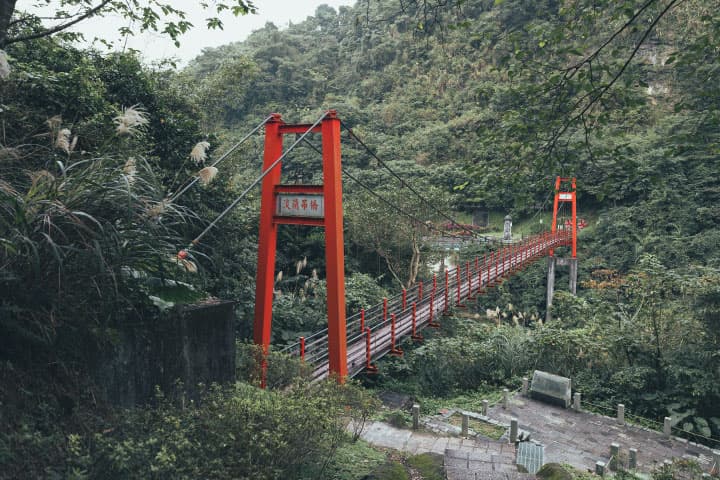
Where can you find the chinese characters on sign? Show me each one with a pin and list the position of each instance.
(299, 205)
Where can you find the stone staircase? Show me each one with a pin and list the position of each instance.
(484, 461)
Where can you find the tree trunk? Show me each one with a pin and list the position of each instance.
(414, 262)
(7, 8)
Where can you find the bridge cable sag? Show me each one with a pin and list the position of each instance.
(380, 197)
(406, 184)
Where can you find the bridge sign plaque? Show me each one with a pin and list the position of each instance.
(300, 205)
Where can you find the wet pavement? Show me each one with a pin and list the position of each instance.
(577, 438)
(582, 438)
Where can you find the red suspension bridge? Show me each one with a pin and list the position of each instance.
(377, 331)
(351, 345)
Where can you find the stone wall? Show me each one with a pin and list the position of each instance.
(193, 344)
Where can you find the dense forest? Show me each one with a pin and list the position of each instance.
(478, 104)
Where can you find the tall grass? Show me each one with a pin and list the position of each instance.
(76, 242)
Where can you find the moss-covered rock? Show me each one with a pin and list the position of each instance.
(553, 471)
(429, 465)
(389, 471)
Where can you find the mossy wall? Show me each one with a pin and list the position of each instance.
(192, 345)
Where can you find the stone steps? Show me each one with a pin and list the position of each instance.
(485, 460)
(461, 474)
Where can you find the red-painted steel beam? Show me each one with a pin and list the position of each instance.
(334, 245)
(298, 128)
(267, 236)
(306, 189)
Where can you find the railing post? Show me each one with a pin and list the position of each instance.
(420, 291)
(667, 427)
(414, 335)
(302, 348)
(432, 311)
(614, 454)
(458, 300)
(385, 308)
(368, 352)
(479, 275)
(496, 280)
(489, 268)
(447, 287)
(511, 250)
(434, 284)
(393, 349)
(469, 279)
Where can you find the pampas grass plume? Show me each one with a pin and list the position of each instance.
(207, 175)
(131, 121)
(189, 265)
(63, 140)
(54, 122)
(199, 152)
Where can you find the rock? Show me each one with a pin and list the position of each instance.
(553, 471)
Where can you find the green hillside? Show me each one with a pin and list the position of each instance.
(477, 104)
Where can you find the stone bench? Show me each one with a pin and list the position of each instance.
(550, 388)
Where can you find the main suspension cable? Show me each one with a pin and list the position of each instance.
(253, 184)
(406, 184)
(380, 197)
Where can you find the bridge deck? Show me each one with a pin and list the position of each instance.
(386, 333)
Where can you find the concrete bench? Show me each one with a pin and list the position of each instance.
(551, 388)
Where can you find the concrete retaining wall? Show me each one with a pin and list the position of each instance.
(193, 344)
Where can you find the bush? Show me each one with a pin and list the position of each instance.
(236, 432)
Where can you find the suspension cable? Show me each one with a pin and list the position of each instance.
(253, 184)
(378, 196)
(196, 178)
(405, 184)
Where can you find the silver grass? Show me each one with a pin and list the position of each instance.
(207, 175)
(131, 121)
(62, 141)
(199, 152)
(54, 122)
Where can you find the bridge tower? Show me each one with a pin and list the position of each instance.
(318, 205)
(565, 192)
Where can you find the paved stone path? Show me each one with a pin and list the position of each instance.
(464, 458)
(581, 439)
(415, 442)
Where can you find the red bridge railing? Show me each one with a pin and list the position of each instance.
(378, 330)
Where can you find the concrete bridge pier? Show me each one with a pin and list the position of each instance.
(552, 263)
(550, 287)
